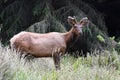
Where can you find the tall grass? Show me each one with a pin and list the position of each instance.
(105, 66)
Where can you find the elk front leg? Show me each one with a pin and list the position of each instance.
(56, 58)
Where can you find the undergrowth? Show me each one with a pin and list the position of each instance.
(102, 66)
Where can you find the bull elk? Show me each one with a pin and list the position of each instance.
(52, 44)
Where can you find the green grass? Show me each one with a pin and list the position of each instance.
(105, 66)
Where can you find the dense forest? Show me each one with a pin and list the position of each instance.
(44, 16)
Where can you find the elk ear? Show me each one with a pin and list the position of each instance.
(72, 20)
(84, 21)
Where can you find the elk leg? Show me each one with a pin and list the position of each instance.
(21, 55)
(28, 57)
(56, 59)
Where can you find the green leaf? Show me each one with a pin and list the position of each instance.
(101, 38)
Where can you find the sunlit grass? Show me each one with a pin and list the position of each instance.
(105, 66)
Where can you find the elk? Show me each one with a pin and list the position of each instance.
(53, 44)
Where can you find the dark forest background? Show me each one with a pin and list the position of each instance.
(44, 16)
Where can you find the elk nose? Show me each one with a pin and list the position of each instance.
(79, 30)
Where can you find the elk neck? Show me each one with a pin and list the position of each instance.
(70, 37)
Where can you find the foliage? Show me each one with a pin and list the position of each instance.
(14, 17)
(104, 65)
(19, 15)
(112, 38)
(101, 38)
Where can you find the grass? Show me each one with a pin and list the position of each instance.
(105, 66)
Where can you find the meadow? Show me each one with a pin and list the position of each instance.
(104, 65)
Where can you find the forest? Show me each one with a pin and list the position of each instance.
(100, 41)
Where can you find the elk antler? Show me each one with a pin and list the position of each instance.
(85, 18)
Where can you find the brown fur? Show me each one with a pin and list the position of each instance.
(52, 44)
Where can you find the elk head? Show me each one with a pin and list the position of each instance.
(77, 26)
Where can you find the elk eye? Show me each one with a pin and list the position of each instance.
(75, 26)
